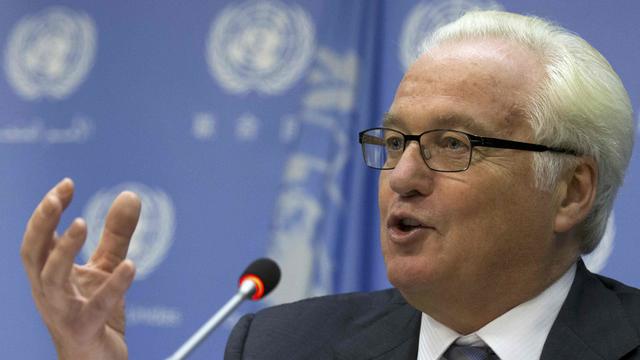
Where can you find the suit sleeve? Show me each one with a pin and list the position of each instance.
(237, 338)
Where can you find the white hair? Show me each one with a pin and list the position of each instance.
(581, 105)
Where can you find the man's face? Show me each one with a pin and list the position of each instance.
(487, 228)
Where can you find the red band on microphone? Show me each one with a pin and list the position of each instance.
(259, 285)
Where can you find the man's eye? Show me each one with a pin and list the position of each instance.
(453, 143)
(394, 143)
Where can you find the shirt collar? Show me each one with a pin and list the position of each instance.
(520, 333)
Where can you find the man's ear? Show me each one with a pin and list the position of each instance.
(576, 194)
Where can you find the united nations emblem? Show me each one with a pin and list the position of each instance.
(260, 45)
(50, 53)
(425, 17)
(597, 260)
(154, 234)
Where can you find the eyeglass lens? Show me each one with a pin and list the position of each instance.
(442, 150)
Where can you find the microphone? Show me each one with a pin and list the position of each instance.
(256, 281)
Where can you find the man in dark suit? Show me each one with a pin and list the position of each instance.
(500, 158)
(599, 320)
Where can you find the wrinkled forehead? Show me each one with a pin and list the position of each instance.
(510, 54)
(487, 64)
(468, 83)
(444, 120)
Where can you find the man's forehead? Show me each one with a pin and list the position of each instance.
(448, 120)
(484, 58)
(481, 87)
(498, 49)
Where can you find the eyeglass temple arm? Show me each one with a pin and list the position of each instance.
(515, 145)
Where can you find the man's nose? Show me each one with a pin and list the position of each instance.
(411, 176)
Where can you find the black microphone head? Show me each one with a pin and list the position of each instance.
(265, 273)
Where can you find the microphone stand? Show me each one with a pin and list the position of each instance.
(247, 289)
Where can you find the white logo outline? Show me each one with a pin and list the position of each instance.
(49, 54)
(425, 17)
(154, 233)
(304, 209)
(263, 46)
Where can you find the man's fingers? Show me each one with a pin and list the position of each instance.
(39, 234)
(103, 302)
(56, 271)
(119, 225)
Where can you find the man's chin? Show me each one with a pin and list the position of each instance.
(410, 277)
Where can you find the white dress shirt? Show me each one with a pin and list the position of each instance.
(518, 334)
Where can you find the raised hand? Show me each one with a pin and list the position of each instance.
(82, 305)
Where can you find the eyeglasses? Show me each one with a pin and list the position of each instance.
(443, 150)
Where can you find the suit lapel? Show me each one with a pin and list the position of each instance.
(394, 335)
(592, 323)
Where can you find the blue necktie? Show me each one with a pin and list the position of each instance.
(467, 352)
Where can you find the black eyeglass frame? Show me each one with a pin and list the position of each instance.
(474, 140)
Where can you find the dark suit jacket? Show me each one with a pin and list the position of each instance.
(600, 319)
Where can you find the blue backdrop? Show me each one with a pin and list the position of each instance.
(236, 122)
